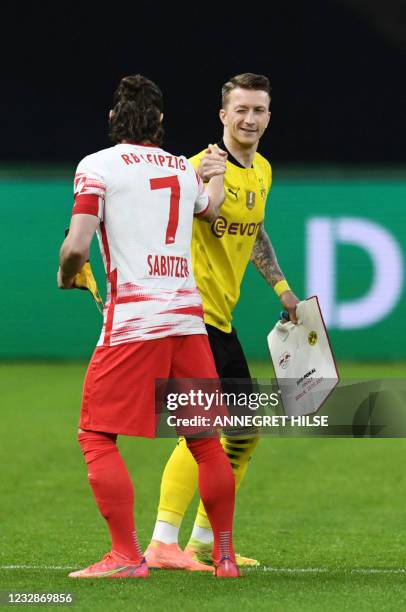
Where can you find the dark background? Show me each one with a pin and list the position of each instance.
(337, 71)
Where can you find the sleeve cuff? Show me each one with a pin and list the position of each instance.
(204, 211)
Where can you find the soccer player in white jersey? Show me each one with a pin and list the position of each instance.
(141, 201)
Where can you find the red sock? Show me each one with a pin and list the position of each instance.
(217, 491)
(113, 490)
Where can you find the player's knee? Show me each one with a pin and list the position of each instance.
(204, 449)
(95, 444)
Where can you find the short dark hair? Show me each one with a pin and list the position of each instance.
(137, 108)
(247, 80)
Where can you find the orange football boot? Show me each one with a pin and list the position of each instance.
(114, 565)
(170, 556)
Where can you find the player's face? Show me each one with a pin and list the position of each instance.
(246, 115)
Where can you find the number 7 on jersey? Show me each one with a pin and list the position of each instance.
(172, 183)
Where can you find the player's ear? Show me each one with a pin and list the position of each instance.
(111, 113)
(161, 116)
(222, 115)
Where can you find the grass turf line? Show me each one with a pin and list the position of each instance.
(307, 503)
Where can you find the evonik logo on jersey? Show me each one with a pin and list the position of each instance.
(221, 226)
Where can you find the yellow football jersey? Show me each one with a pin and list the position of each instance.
(221, 250)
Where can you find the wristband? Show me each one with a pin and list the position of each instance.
(280, 287)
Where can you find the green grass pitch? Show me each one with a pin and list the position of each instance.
(326, 517)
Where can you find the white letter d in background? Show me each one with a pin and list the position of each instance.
(323, 234)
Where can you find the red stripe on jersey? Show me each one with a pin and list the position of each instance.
(126, 299)
(196, 311)
(110, 311)
(188, 291)
(105, 247)
(112, 278)
(86, 204)
(204, 211)
(159, 330)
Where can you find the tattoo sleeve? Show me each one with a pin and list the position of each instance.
(264, 259)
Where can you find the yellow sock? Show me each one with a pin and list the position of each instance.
(239, 451)
(178, 485)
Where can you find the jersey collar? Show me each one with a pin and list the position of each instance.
(140, 144)
(230, 157)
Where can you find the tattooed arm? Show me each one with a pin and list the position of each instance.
(264, 259)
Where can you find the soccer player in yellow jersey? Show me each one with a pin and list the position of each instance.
(221, 252)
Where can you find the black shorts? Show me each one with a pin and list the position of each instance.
(232, 368)
(228, 354)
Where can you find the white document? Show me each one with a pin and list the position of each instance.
(303, 360)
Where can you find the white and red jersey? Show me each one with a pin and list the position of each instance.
(145, 199)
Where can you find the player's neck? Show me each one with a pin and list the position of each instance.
(245, 156)
(147, 143)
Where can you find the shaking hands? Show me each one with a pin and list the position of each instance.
(213, 163)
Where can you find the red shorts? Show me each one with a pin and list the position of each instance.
(119, 388)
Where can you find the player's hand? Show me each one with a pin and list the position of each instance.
(213, 163)
(63, 284)
(289, 301)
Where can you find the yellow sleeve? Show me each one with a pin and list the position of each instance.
(196, 159)
(268, 174)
